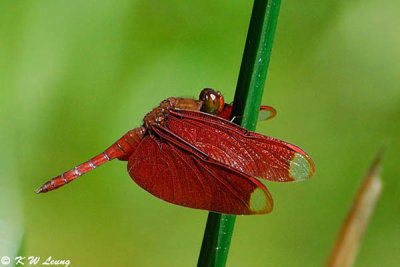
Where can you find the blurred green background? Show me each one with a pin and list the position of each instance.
(76, 75)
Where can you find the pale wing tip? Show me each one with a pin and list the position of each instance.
(266, 113)
(301, 167)
(260, 202)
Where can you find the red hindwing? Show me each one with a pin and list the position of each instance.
(176, 174)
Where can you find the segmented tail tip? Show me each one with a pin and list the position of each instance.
(41, 189)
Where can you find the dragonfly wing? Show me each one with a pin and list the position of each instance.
(182, 177)
(265, 112)
(254, 154)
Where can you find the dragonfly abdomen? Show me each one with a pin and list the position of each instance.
(121, 149)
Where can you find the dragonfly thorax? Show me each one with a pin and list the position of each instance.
(156, 116)
(159, 114)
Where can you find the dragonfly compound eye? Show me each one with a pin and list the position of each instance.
(213, 102)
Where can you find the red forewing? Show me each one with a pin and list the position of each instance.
(174, 173)
(251, 153)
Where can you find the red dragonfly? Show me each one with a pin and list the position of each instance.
(188, 153)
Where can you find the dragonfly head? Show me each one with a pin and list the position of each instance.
(213, 101)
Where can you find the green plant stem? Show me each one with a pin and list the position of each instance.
(249, 91)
